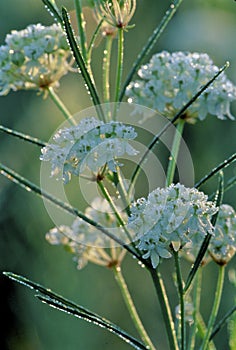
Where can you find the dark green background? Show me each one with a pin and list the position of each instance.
(200, 25)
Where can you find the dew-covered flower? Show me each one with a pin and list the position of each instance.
(115, 13)
(33, 58)
(168, 219)
(222, 245)
(87, 243)
(170, 80)
(89, 145)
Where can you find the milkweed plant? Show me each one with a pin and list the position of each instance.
(106, 151)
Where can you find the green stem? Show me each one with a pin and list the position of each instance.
(81, 28)
(60, 105)
(131, 308)
(174, 152)
(215, 308)
(92, 41)
(106, 69)
(120, 59)
(120, 221)
(196, 305)
(165, 308)
(119, 69)
(181, 300)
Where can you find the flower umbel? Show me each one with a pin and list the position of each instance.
(223, 244)
(170, 80)
(117, 13)
(34, 58)
(85, 242)
(168, 219)
(89, 145)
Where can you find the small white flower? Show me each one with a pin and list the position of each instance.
(169, 81)
(168, 219)
(34, 58)
(87, 243)
(89, 145)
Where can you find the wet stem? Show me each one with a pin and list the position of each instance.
(131, 308)
(119, 70)
(174, 152)
(165, 308)
(181, 301)
(215, 308)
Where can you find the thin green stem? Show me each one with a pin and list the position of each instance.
(60, 105)
(196, 306)
(120, 59)
(174, 152)
(201, 327)
(106, 69)
(92, 41)
(119, 70)
(131, 308)
(165, 308)
(215, 308)
(81, 28)
(109, 199)
(24, 137)
(181, 300)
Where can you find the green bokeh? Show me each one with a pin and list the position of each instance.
(200, 25)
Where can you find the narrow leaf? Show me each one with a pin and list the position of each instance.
(218, 168)
(150, 43)
(29, 186)
(22, 136)
(81, 64)
(207, 239)
(222, 322)
(65, 305)
(53, 11)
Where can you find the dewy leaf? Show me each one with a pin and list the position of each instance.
(81, 64)
(53, 11)
(205, 243)
(214, 171)
(222, 322)
(150, 43)
(22, 136)
(59, 302)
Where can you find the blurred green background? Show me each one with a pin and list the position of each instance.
(200, 25)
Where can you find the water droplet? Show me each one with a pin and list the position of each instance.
(172, 6)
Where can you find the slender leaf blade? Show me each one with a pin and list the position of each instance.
(53, 11)
(81, 64)
(222, 322)
(57, 301)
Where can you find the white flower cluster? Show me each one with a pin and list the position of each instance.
(170, 80)
(168, 219)
(90, 144)
(223, 244)
(86, 242)
(33, 58)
